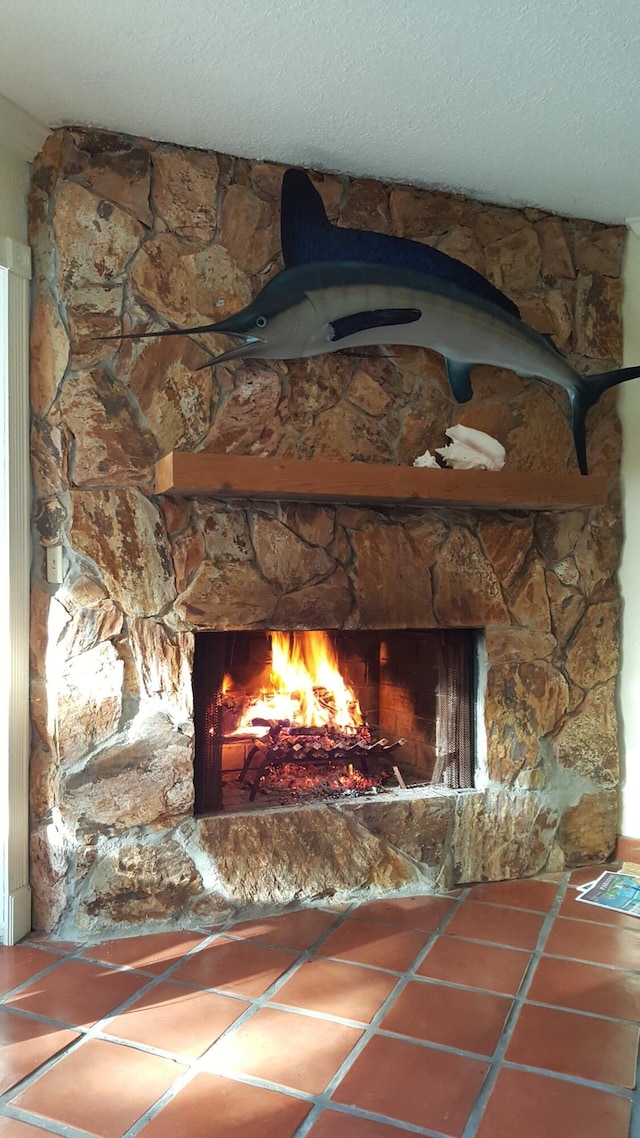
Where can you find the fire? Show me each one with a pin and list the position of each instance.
(307, 688)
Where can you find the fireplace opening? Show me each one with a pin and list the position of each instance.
(291, 717)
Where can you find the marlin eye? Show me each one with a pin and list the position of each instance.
(261, 322)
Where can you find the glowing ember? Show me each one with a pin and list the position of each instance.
(306, 688)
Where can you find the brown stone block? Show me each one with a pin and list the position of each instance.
(368, 394)
(231, 595)
(88, 701)
(535, 313)
(276, 858)
(507, 542)
(391, 575)
(424, 213)
(566, 605)
(494, 222)
(420, 828)
(327, 605)
(123, 533)
(138, 883)
(50, 517)
(556, 254)
(89, 626)
(49, 347)
(501, 834)
(123, 178)
(185, 189)
(111, 446)
(557, 534)
(518, 645)
(587, 743)
(423, 424)
(523, 703)
(467, 593)
(587, 831)
(562, 324)
(602, 251)
(186, 287)
(527, 598)
(284, 559)
(541, 439)
(226, 533)
(248, 421)
(178, 410)
(48, 457)
(345, 433)
(314, 524)
(188, 553)
(597, 551)
(514, 262)
(177, 512)
(593, 653)
(95, 239)
(145, 777)
(164, 663)
(248, 229)
(366, 206)
(598, 327)
(49, 861)
(94, 311)
(461, 244)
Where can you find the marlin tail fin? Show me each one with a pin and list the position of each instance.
(584, 395)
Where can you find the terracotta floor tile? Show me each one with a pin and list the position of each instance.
(533, 1106)
(154, 953)
(628, 849)
(21, 963)
(25, 1044)
(335, 1124)
(475, 965)
(100, 1087)
(294, 1050)
(77, 993)
(586, 988)
(381, 946)
(537, 895)
(575, 1044)
(452, 1017)
(587, 873)
(182, 1020)
(289, 930)
(11, 1128)
(415, 1084)
(579, 911)
(594, 943)
(336, 989)
(235, 966)
(239, 1111)
(513, 928)
(421, 913)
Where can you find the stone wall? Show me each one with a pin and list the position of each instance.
(126, 234)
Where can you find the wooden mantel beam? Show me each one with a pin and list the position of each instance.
(226, 476)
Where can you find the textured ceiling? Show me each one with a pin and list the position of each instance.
(535, 102)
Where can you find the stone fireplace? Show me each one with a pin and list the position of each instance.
(128, 233)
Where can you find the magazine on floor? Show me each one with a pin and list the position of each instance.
(613, 890)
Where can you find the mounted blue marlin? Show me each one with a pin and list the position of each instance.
(416, 296)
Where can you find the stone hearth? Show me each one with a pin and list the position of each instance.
(125, 231)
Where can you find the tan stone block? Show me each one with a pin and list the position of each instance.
(284, 559)
(598, 327)
(314, 524)
(326, 605)
(556, 254)
(368, 394)
(111, 446)
(423, 213)
(188, 552)
(89, 626)
(137, 883)
(542, 439)
(185, 287)
(423, 424)
(145, 777)
(48, 457)
(587, 831)
(467, 593)
(501, 834)
(461, 244)
(598, 551)
(49, 861)
(185, 190)
(164, 664)
(494, 222)
(94, 311)
(593, 653)
(248, 229)
(562, 324)
(558, 533)
(122, 532)
(344, 433)
(602, 251)
(49, 345)
(535, 313)
(523, 702)
(88, 701)
(178, 410)
(230, 595)
(566, 605)
(226, 533)
(124, 179)
(50, 517)
(177, 512)
(95, 239)
(277, 857)
(587, 743)
(38, 628)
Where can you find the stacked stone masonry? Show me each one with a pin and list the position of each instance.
(127, 235)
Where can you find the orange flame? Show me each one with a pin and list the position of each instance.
(307, 687)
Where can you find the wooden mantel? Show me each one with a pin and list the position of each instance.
(289, 479)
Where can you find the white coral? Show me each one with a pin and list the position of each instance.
(472, 450)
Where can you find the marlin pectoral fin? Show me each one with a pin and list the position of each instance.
(346, 326)
(458, 375)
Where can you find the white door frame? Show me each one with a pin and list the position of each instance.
(15, 493)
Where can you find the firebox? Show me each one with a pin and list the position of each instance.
(286, 717)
